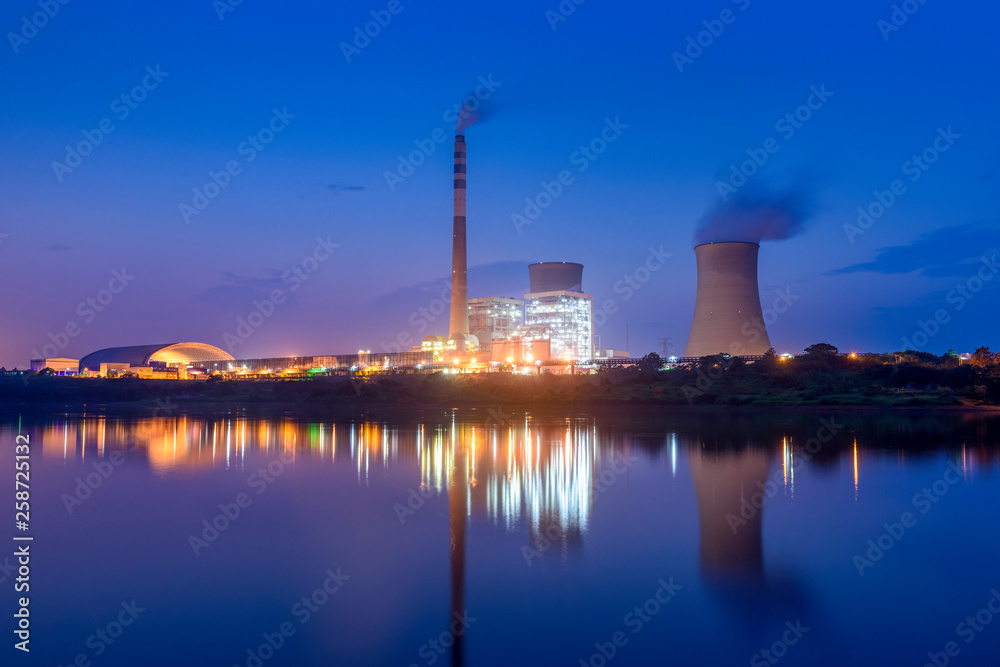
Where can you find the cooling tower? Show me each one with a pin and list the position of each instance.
(458, 323)
(556, 277)
(727, 315)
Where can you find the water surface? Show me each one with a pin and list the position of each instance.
(480, 537)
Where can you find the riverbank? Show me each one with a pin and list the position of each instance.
(689, 387)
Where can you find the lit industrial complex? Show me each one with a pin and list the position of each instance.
(551, 329)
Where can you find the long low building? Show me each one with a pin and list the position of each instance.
(194, 357)
(337, 362)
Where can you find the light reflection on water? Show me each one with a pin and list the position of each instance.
(516, 471)
(519, 470)
(759, 528)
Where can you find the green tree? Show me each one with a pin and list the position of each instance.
(821, 350)
(650, 363)
(982, 357)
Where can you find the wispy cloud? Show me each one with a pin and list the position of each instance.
(238, 290)
(946, 252)
(336, 188)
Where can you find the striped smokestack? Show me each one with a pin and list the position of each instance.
(458, 325)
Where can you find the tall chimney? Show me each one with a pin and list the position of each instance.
(727, 314)
(458, 325)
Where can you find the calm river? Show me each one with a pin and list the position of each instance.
(489, 537)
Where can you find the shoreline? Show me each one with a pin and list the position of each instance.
(672, 392)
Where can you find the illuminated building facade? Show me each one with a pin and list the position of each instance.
(494, 317)
(171, 355)
(363, 360)
(565, 318)
(557, 310)
(58, 365)
(520, 350)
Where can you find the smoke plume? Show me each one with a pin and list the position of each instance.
(472, 110)
(757, 214)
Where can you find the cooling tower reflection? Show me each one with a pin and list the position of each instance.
(730, 487)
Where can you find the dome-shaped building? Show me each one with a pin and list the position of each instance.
(168, 354)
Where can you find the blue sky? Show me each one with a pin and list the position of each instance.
(343, 125)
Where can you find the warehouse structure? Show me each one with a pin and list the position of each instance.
(152, 360)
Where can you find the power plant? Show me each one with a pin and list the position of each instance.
(558, 311)
(458, 322)
(554, 325)
(727, 313)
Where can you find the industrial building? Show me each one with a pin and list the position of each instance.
(338, 363)
(556, 309)
(183, 360)
(727, 313)
(152, 360)
(554, 324)
(58, 365)
(494, 317)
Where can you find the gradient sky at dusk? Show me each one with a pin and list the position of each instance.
(324, 174)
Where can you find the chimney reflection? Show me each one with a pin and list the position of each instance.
(458, 504)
